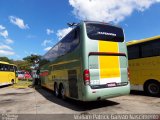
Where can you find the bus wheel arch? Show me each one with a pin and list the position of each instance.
(152, 87)
(56, 92)
(61, 91)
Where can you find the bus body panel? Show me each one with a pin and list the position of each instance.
(107, 68)
(4, 78)
(102, 94)
(142, 70)
(110, 73)
(59, 72)
(109, 65)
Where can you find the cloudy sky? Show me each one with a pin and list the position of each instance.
(34, 26)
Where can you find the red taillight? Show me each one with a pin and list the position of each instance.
(128, 74)
(86, 77)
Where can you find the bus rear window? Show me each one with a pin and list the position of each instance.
(104, 32)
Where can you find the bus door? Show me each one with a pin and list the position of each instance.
(73, 87)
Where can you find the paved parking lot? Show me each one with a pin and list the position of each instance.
(42, 101)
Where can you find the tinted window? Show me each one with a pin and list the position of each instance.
(4, 67)
(66, 45)
(11, 68)
(151, 48)
(104, 32)
(156, 47)
(133, 52)
(1, 67)
(147, 50)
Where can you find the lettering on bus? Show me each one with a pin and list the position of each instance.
(106, 33)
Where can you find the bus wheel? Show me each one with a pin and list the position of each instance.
(62, 92)
(56, 90)
(152, 88)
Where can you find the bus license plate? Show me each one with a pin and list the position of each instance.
(111, 84)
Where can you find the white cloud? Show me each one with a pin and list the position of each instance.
(108, 10)
(2, 27)
(61, 33)
(4, 33)
(47, 48)
(49, 31)
(18, 21)
(9, 41)
(45, 42)
(6, 53)
(5, 47)
(6, 50)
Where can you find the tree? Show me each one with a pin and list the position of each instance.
(5, 59)
(32, 58)
(22, 65)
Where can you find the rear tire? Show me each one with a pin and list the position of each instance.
(56, 93)
(62, 92)
(152, 88)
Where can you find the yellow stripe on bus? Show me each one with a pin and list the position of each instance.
(109, 65)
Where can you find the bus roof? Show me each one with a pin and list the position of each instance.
(2, 62)
(133, 42)
(13, 65)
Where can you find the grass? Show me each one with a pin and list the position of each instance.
(22, 84)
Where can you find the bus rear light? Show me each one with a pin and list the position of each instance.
(86, 77)
(128, 74)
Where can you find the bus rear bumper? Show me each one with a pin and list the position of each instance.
(104, 93)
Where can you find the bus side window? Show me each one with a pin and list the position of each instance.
(1, 67)
(156, 47)
(133, 52)
(75, 34)
(5, 67)
(75, 40)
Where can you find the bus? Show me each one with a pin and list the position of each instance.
(144, 61)
(8, 73)
(90, 63)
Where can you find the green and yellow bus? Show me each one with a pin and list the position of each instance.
(90, 63)
(144, 61)
(7, 73)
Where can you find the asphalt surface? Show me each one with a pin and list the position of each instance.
(42, 101)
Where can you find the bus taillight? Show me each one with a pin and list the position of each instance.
(86, 77)
(128, 74)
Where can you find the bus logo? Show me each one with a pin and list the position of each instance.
(106, 33)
